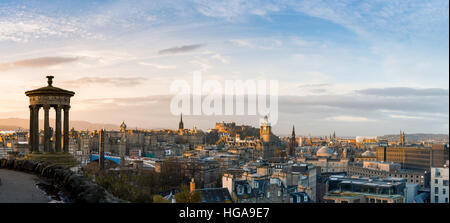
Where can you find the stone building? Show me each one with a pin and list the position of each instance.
(365, 190)
(365, 156)
(327, 160)
(419, 177)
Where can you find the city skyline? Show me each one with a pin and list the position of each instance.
(386, 71)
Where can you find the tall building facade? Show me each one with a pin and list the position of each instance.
(421, 158)
(439, 184)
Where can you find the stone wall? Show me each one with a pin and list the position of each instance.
(76, 187)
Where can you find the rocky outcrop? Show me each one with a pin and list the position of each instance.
(76, 187)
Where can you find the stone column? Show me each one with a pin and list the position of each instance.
(58, 129)
(31, 132)
(66, 128)
(36, 128)
(46, 128)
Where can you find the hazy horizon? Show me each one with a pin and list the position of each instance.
(116, 127)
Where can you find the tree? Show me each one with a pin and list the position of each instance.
(186, 196)
(159, 199)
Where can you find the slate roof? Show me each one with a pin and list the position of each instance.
(215, 195)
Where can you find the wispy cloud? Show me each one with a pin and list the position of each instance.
(234, 9)
(37, 62)
(180, 49)
(391, 17)
(404, 91)
(349, 119)
(405, 116)
(302, 42)
(24, 24)
(257, 43)
(115, 81)
(157, 66)
(220, 58)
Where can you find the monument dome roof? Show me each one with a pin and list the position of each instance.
(50, 90)
(324, 152)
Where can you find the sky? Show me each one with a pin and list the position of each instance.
(359, 68)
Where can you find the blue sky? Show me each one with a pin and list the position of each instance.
(354, 67)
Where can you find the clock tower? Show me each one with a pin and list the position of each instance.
(264, 131)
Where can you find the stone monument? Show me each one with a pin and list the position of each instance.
(46, 98)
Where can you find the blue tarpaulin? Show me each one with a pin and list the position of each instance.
(116, 159)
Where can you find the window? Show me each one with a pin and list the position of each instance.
(443, 191)
(445, 182)
(438, 174)
(268, 194)
(436, 181)
(240, 190)
(436, 190)
(256, 184)
(446, 200)
(436, 199)
(298, 199)
(279, 193)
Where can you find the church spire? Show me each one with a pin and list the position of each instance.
(181, 125)
(292, 143)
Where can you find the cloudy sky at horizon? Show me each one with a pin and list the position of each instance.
(355, 67)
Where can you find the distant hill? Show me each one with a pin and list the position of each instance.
(418, 137)
(19, 123)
